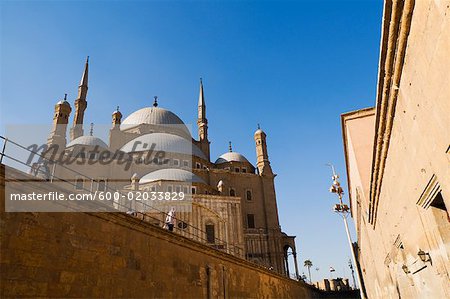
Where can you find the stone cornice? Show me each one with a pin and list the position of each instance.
(345, 117)
(397, 18)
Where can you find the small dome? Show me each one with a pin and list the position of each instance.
(231, 157)
(259, 131)
(163, 142)
(63, 102)
(88, 140)
(171, 174)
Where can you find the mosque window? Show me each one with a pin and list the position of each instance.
(194, 190)
(185, 189)
(178, 189)
(79, 184)
(210, 236)
(176, 162)
(249, 195)
(153, 188)
(232, 192)
(197, 165)
(185, 163)
(250, 221)
(92, 155)
(169, 188)
(244, 170)
(236, 169)
(81, 155)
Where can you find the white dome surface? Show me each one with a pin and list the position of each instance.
(152, 116)
(63, 102)
(171, 174)
(231, 157)
(87, 140)
(163, 142)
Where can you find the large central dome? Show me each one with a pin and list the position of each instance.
(158, 120)
(152, 116)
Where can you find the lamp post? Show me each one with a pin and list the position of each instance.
(343, 210)
(353, 272)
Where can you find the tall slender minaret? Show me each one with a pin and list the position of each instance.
(202, 122)
(262, 157)
(80, 104)
(60, 121)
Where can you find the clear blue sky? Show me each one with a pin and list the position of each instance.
(293, 67)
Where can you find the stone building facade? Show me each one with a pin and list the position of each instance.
(398, 157)
(234, 206)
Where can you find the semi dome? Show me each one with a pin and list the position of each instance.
(171, 174)
(88, 140)
(163, 142)
(231, 157)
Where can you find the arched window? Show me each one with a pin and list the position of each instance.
(79, 184)
(232, 192)
(249, 194)
(101, 185)
(210, 235)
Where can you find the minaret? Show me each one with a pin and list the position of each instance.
(60, 121)
(116, 137)
(262, 157)
(116, 119)
(202, 122)
(80, 104)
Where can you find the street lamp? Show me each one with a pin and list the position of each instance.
(424, 256)
(343, 210)
(350, 265)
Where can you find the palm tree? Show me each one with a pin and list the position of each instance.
(308, 264)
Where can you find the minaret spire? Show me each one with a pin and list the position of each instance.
(202, 122)
(80, 104)
(201, 103)
(84, 77)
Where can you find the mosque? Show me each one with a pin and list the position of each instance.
(234, 205)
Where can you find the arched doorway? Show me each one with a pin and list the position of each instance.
(290, 255)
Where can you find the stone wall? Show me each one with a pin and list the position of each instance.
(117, 255)
(411, 168)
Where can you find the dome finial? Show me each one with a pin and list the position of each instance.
(91, 132)
(117, 109)
(230, 149)
(259, 127)
(65, 97)
(155, 102)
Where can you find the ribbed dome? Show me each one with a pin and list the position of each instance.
(171, 174)
(152, 116)
(87, 140)
(163, 142)
(231, 157)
